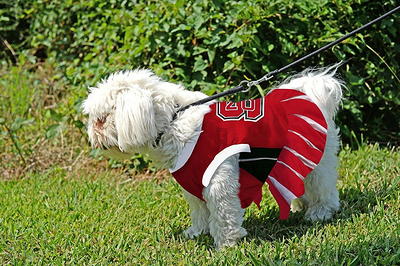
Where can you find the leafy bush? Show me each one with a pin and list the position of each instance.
(212, 45)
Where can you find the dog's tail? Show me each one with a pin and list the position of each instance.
(321, 86)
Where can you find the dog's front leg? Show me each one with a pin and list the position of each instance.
(199, 215)
(221, 195)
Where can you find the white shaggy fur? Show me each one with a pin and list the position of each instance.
(128, 110)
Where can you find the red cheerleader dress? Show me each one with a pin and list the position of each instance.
(280, 138)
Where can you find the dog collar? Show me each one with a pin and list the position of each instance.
(174, 116)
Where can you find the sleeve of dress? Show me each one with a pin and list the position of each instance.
(303, 148)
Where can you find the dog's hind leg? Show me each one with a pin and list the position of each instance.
(221, 195)
(321, 195)
(199, 215)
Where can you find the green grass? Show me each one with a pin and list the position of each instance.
(99, 218)
(61, 206)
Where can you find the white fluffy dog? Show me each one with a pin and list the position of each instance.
(134, 112)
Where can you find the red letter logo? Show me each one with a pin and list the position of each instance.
(248, 110)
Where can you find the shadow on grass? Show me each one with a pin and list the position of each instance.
(267, 226)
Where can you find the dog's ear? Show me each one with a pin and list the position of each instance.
(134, 118)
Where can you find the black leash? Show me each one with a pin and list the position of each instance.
(245, 85)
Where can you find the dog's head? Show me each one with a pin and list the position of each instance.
(128, 110)
(122, 111)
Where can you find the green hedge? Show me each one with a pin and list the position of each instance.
(213, 45)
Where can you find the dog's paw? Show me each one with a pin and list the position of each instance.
(229, 240)
(193, 232)
(297, 205)
(320, 213)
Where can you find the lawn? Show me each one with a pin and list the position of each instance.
(105, 216)
(61, 203)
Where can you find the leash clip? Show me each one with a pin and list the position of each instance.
(249, 84)
(244, 84)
